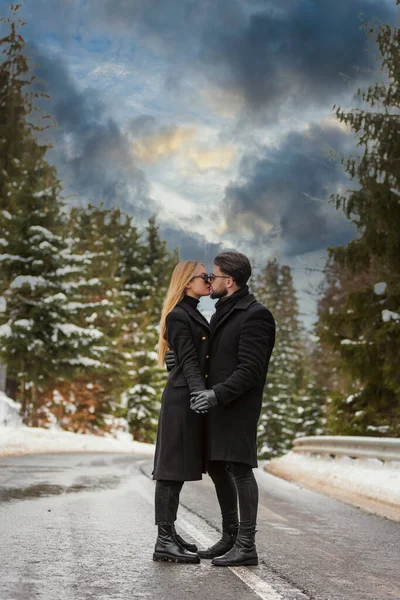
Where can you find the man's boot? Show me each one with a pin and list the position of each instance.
(229, 533)
(243, 553)
(183, 543)
(167, 547)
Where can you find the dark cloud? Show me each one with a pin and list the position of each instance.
(288, 188)
(294, 54)
(191, 245)
(92, 154)
(278, 55)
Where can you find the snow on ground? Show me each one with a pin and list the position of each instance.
(367, 478)
(18, 439)
(33, 440)
(9, 412)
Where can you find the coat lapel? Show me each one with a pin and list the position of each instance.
(195, 315)
(242, 304)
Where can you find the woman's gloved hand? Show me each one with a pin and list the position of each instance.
(170, 360)
(202, 401)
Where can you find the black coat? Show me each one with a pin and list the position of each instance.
(180, 443)
(241, 346)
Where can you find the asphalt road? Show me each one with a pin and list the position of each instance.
(81, 526)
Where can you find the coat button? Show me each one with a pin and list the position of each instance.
(204, 338)
(207, 356)
(206, 376)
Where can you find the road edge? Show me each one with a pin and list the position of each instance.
(363, 502)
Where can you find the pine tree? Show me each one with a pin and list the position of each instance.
(361, 321)
(142, 398)
(95, 299)
(37, 340)
(291, 406)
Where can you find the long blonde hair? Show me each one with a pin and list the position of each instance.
(181, 276)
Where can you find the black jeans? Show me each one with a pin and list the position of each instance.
(167, 500)
(235, 482)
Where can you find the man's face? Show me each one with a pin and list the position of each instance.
(218, 286)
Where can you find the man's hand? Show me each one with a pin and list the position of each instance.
(202, 401)
(170, 360)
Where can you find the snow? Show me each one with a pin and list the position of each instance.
(5, 331)
(380, 288)
(69, 329)
(34, 440)
(60, 296)
(27, 279)
(15, 438)
(13, 257)
(42, 193)
(86, 362)
(9, 412)
(45, 232)
(25, 323)
(368, 478)
(388, 315)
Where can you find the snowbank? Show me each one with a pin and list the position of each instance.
(9, 412)
(32, 440)
(354, 480)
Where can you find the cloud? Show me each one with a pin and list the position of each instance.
(266, 58)
(92, 152)
(218, 158)
(166, 142)
(191, 246)
(286, 190)
(286, 59)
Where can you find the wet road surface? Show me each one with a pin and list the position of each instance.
(80, 526)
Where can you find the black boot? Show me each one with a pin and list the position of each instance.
(167, 547)
(223, 545)
(183, 543)
(243, 553)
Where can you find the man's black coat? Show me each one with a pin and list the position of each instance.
(180, 439)
(241, 346)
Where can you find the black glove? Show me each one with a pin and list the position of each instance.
(169, 360)
(200, 402)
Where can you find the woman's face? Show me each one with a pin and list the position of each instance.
(197, 287)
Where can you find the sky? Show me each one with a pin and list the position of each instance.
(215, 115)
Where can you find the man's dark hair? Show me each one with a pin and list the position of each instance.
(235, 264)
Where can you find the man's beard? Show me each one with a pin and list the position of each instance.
(220, 294)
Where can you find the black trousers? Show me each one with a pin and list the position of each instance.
(167, 500)
(235, 483)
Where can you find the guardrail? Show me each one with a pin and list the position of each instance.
(385, 449)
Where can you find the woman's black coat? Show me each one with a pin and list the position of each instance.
(241, 346)
(179, 452)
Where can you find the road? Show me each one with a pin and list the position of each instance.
(81, 526)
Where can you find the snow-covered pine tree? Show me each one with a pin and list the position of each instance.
(361, 322)
(288, 403)
(38, 343)
(95, 300)
(142, 398)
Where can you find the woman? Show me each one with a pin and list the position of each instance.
(179, 450)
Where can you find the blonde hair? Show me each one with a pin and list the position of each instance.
(182, 274)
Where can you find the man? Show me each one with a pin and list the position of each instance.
(242, 339)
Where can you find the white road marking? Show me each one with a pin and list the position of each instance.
(255, 583)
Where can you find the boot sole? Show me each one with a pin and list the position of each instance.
(159, 557)
(250, 562)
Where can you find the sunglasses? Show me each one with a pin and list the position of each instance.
(209, 277)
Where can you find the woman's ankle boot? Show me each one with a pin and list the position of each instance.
(167, 547)
(229, 533)
(186, 545)
(243, 553)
